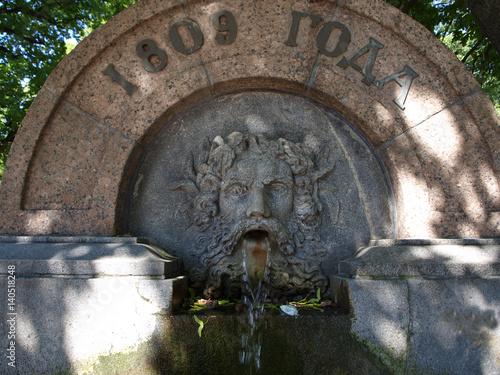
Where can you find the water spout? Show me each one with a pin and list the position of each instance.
(256, 255)
(256, 260)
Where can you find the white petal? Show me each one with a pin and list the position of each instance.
(289, 310)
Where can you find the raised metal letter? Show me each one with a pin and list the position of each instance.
(176, 39)
(225, 24)
(292, 37)
(116, 77)
(324, 34)
(368, 77)
(405, 86)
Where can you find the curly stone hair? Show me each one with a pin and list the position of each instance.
(223, 155)
(296, 267)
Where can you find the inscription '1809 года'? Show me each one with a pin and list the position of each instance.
(155, 59)
(344, 40)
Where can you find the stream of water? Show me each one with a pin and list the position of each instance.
(256, 261)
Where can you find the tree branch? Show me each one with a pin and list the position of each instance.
(473, 49)
(405, 7)
(10, 31)
(9, 52)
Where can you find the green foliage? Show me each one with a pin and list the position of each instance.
(453, 23)
(201, 324)
(34, 36)
(312, 303)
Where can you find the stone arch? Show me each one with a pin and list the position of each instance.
(84, 133)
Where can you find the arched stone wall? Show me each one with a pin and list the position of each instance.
(71, 163)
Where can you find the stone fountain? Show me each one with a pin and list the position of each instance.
(232, 147)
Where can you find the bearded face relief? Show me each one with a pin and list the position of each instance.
(263, 203)
(257, 212)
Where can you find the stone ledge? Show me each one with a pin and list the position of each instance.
(72, 239)
(430, 326)
(446, 258)
(85, 257)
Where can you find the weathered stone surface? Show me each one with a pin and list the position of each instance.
(257, 58)
(71, 166)
(424, 42)
(434, 258)
(65, 323)
(381, 118)
(483, 112)
(53, 257)
(65, 73)
(455, 326)
(381, 318)
(428, 326)
(453, 178)
(354, 198)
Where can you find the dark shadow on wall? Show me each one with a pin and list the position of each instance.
(64, 322)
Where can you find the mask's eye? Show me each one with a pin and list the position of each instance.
(278, 188)
(236, 190)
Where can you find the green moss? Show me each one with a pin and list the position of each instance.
(313, 343)
(397, 364)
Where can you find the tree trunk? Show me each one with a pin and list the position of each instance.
(487, 15)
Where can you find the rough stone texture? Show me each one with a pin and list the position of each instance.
(65, 323)
(381, 317)
(456, 171)
(426, 305)
(71, 166)
(450, 258)
(355, 197)
(481, 109)
(71, 67)
(425, 326)
(440, 189)
(455, 326)
(84, 259)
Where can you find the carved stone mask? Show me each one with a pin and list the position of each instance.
(200, 191)
(254, 186)
(257, 186)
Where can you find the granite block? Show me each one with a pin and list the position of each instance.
(80, 186)
(416, 35)
(457, 163)
(449, 185)
(96, 94)
(64, 75)
(428, 326)
(85, 259)
(481, 109)
(421, 259)
(257, 51)
(13, 180)
(381, 118)
(411, 193)
(381, 318)
(455, 326)
(67, 323)
(78, 142)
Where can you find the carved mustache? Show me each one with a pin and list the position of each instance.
(279, 234)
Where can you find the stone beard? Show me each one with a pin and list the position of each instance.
(252, 184)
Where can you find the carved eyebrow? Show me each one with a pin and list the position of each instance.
(285, 181)
(233, 181)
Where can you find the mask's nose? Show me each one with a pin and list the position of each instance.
(258, 207)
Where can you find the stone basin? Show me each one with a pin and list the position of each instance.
(312, 343)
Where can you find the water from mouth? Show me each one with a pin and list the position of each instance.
(256, 261)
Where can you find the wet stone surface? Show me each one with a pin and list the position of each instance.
(316, 343)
